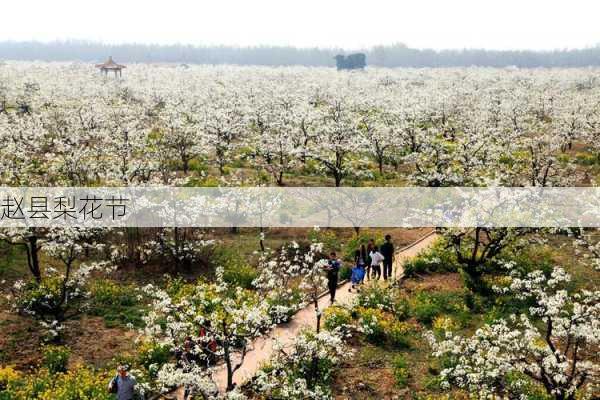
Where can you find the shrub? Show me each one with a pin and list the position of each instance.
(441, 397)
(199, 166)
(443, 324)
(437, 258)
(336, 318)
(44, 300)
(325, 236)
(283, 304)
(78, 384)
(109, 293)
(178, 288)
(240, 275)
(8, 376)
(399, 335)
(434, 384)
(206, 181)
(81, 383)
(236, 270)
(414, 267)
(424, 308)
(401, 308)
(400, 370)
(55, 358)
(373, 323)
(153, 356)
(586, 159)
(376, 295)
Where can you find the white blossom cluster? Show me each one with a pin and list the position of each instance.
(554, 344)
(291, 374)
(290, 278)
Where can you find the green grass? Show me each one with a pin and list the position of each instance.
(118, 304)
(13, 262)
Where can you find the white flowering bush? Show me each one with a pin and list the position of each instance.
(56, 294)
(305, 370)
(554, 344)
(175, 247)
(337, 318)
(376, 295)
(229, 315)
(314, 281)
(476, 248)
(196, 380)
(279, 277)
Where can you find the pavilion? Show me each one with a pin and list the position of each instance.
(110, 65)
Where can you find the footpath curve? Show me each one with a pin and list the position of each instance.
(262, 348)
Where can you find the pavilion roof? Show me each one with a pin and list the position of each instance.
(110, 64)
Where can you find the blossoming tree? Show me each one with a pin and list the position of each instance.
(553, 344)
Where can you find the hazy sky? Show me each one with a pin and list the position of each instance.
(495, 24)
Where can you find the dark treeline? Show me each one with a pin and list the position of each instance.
(388, 56)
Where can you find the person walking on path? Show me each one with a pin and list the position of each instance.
(122, 385)
(333, 269)
(358, 271)
(369, 249)
(364, 254)
(376, 259)
(387, 250)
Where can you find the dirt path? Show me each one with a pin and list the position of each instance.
(262, 348)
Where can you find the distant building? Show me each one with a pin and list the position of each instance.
(109, 66)
(352, 61)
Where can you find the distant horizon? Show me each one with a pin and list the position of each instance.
(289, 46)
(392, 56)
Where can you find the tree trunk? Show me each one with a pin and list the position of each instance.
(338, 179)
(261, 241)
(317, 313)
(34, 264)
(227, 357)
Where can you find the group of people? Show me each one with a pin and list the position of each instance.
(369, 260)
(201, 352)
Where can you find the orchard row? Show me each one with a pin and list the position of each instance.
(64, 124)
